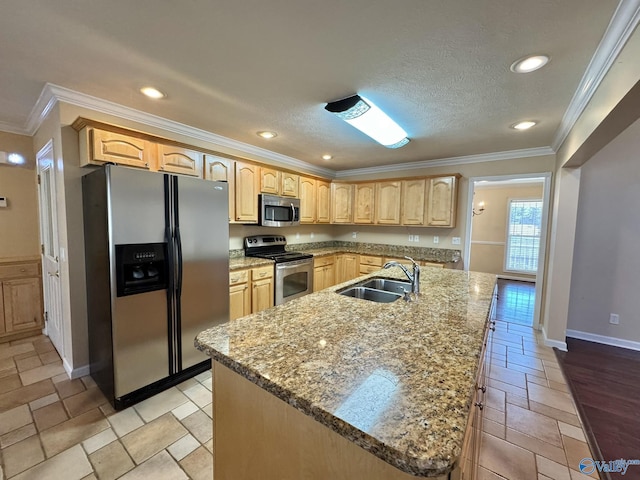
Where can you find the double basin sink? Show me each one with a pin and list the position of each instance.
(380, 290)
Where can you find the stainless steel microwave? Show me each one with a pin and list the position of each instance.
(277, 211)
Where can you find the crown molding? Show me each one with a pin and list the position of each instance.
(51, 94)
(623, 22)
(444, 162)
(10, 128)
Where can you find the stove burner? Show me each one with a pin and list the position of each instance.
(272, 248)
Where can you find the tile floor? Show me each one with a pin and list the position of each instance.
(517, 301)
(55, 428)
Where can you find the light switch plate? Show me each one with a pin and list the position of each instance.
(416, 238)
(354, 234)
(3, 202)
(455, 241)
(436, 239)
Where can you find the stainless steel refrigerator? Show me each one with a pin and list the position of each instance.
(157, 269)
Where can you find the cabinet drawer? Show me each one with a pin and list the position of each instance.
(322, 261)
(262, 272)
(19, 270)
(370, 260)
(364, 269)
(432, 264)
(238, 277)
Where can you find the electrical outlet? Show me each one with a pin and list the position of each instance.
(297, 235)
(411, 238)
(614, 319)
(311, 235)
(416, 238)
(455, 241)
(354, 234)
(436, 239)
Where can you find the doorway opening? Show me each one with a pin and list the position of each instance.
(507, 231)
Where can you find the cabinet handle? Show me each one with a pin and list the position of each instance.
(483, 388)
(55, 274)
(23, 270)
(479, 405)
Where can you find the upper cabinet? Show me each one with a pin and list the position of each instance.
(323, 206)
(341, 198)
(442, 201)
(307, 200)
(275, 182)
(413, 206)
(100, 146)
(364, 202)
(172, 159)
(387, 202)
(247, 187)
(219, 168)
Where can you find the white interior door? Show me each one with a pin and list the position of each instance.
(50, 245)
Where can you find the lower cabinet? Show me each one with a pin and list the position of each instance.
(21, 310)
(250, 291)
(323, 272)
(347, 267)
(370, 264)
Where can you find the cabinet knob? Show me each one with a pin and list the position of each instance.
(55, 274)
(23, 270)
(479, 405)
(483, 388)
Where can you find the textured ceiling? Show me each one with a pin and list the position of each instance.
(234, 67)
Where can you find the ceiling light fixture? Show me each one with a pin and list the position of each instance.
(266, 134)
(524, 125)
(530, 63)
(152, 92)
(362, 114)
(326, 156)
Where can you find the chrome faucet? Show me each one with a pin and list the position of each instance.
(414, 277)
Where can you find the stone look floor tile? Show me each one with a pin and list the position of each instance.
(62, 436)
(84, 401)
(15, 350)
(28, 363)
(200, 425)
(111, 461)
(552, 469)
(572, 431)
(184, 410)
(507, 387)
(576, 451)
(125, 421)
(72, 464)
(14, 418)
(552, 398)
(199, 395)
(199, 464)
(183, 447)
(99, 440)
(40, 373)
(527, 370)
(160, 404)
(22, 455)
(153, 437)
(506, 459)
(49, 416)
(508, 376)
(44, 401)
(23, 395)
(525, 361)
(533, 424)
(159, 467)
(17, 435)
(67, 388)
(536, 445)
(561, 415)
(517, 400)
(49, 357)
(10, 382)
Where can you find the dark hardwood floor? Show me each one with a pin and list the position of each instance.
(516, 301)
(605, 382)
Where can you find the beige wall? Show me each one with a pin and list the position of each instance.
(489, 230)
(606, 263)
(19, 229)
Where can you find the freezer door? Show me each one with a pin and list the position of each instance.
(139, 322)
(203, 223)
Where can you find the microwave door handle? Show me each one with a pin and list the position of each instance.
(293, 214)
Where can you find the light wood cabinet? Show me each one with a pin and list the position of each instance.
(413, 205)
(289, 184)
(247, 186)
(370, 264)
(323, 195)
(239, 294)
(262, 288)
(172, 159)
(323, 272)
(364, 203)
(307, 200)
(269, 181)
(442, 202)
(341, 198)
(347, 267)
(101, 146)
(222, 169)
(387, 203)
(21, 308)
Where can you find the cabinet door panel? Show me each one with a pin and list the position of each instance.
(290, 184)
(341, 196)
(179, 160)
(269, 181)
(441, 204)
(388, 203)
(364, 200)
(218, 168)
(247, 187)
(262, 296)
(239, 301)
(22, 304)
(120, 149)
(307, 200)
(413, 205)
(323, 192)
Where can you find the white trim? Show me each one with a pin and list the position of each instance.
(529, 279)
(622, 24)
(53, 93)
(553, 343)
(443, 162)
(75, 372)
(592, 337)
(483, 242)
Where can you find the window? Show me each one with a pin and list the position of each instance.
(523, 236)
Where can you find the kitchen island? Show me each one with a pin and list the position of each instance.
(328, 386)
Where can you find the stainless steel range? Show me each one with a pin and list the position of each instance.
(293, 270)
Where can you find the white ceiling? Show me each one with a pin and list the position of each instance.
(234, 67)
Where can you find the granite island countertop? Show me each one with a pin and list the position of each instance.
(397, 379)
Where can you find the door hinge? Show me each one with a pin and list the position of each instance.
(42, 248)
(38, 179)
(46, 317)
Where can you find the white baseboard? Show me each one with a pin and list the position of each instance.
(75, 372)
(613, 341)
(553, 343)
(517, 278)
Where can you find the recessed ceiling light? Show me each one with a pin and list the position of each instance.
(267, 134)
(326, 156)
(530, 63)
(152, 92)
(524, 125)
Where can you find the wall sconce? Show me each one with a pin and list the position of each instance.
(479, 211)
(362, 114)
(11, 158)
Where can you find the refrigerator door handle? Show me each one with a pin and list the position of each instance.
(179, 262)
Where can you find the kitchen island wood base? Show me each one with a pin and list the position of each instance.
(257, 435)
